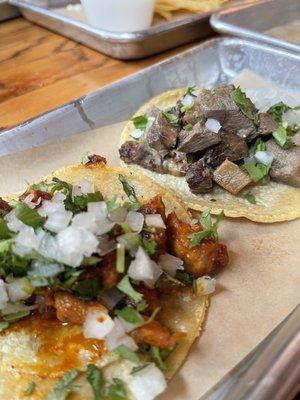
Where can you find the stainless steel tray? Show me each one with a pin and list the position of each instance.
(213, 62)
(131, 45)
(276, 22)
(7, 11)
(273, 364)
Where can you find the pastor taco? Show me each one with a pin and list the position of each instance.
(103, 285)
(214, 148)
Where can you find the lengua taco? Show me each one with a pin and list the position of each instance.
(213, 148)
(103, 285)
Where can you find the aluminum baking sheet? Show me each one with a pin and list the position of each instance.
(213, 62)
(132, 45)
(276, 22)
(7, 11)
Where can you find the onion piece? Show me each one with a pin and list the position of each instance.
(155, 220)
(86, 221)
(118, 215)
(13, 223)
(136, 133)
(14, 308)
(131, 242)
(99, 210)
(82, 187)
(188, 100)
(147, 383)
(142, 268)
(264, 157)
(170, 264)
(19, 289)
(118, 336)
(206, 284)
(27, 240)
(3, 295)
(40, 269)
(213, 125)
(97, 324)
(135, 221)
(106, 245)
(58, 221)
(249, 160)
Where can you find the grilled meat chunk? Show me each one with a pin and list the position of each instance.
(95, 159)
(162, 134)
(199, 260)
(199, 138)
(37, 194)
(156, 335)
(177, 163)
(139, 153)
(231, 177)
(4, 207)
(266, 124)
(218, 103)
(199, 177)
(285, 167)
(152, 112)
(231, 147)
(150, 296)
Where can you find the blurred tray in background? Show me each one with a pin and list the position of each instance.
(7, 11)
(276, 22)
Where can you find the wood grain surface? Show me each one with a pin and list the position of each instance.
(40, 70)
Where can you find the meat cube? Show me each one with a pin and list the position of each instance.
(285, 167)
(162, 134)
(199, 177)
(266, 124)
(230, 177)
(199, 138)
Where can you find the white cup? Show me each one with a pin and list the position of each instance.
(119, 15)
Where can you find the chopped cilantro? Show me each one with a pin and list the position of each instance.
(120, 262)
(282, 137)
(212, 200)
(79, 203)
(245, 105)
(116, 390)
(112, 204)
(156, 357)
(210, 228)
(87, 289)
(250, 197)
(41, 187)
(172, 118)
(149, 246)
(126, 353)
(91, 260)
(30, 388)
(129, 314)
(85, 158)
(184, 278)
(125, 287)
(128, 189)
(58, 185)
(164, 353)
(62, 389)
(140, 122)
(277, 111)
(190, 91)
(257, 172)
(4, 231)
(29, 216)
(188, 127)
(94, 377)
(142, 305)
(16, 316)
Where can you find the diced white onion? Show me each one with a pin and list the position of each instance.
(142, 268)
(118, 336)
(13, 223)
(106, 245)
(188, 100)
(170, 264)
(155, 220)
(45, 270)
(291, 117)
(147, 383)
(135, 220)
(58, 221)
(118, 215)
(97, 324)
(86, 221)
(213, 125)
(12, 308)
(82, 187)
(3, 294)
(27, 240)
(264, 157)
(149, 123)
(99, 210)
(19, 289)
(136, 133)
(206, 284)
(55, 205)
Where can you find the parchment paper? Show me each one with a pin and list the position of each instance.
(258, 289)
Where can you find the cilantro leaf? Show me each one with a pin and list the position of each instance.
(210, 228)
(250, 197)
(79, 203)
(4, 231)
(128, 189)
(125, 287)
(87, 289)
(140, 122)
(245, 105)
(120, 262)
(156, 357)
(282, 138)
(94, 377)
(126, 353)
(85, 158)
(29, 216)
(142, 305)
(16, 316)
(190, 91)
(172, 118)
(62, 390)
(129, 314)
(149, 246)
(277, 111)
(30, 388)
(188, 127)
(57, 185)
(257, 172)
(116, 390)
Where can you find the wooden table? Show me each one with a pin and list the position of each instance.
(40, 70)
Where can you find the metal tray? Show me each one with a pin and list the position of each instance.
(273, 365)
(269, 21)
(131, 45)
(7, 11)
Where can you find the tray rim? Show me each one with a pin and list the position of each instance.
(219, 25)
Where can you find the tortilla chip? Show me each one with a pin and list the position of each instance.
(274, 201)
(22, 358)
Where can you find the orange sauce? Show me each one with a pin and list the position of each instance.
(59, 346)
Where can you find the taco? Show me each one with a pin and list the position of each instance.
(104, 285)
(213, 148)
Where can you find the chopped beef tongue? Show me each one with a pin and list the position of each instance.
(199, 177)
(266, 124)
(218, 103)
(231, 147)
(231, 177)
(285, 167)
(162, 134)
(199, 138)
(152, 112)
